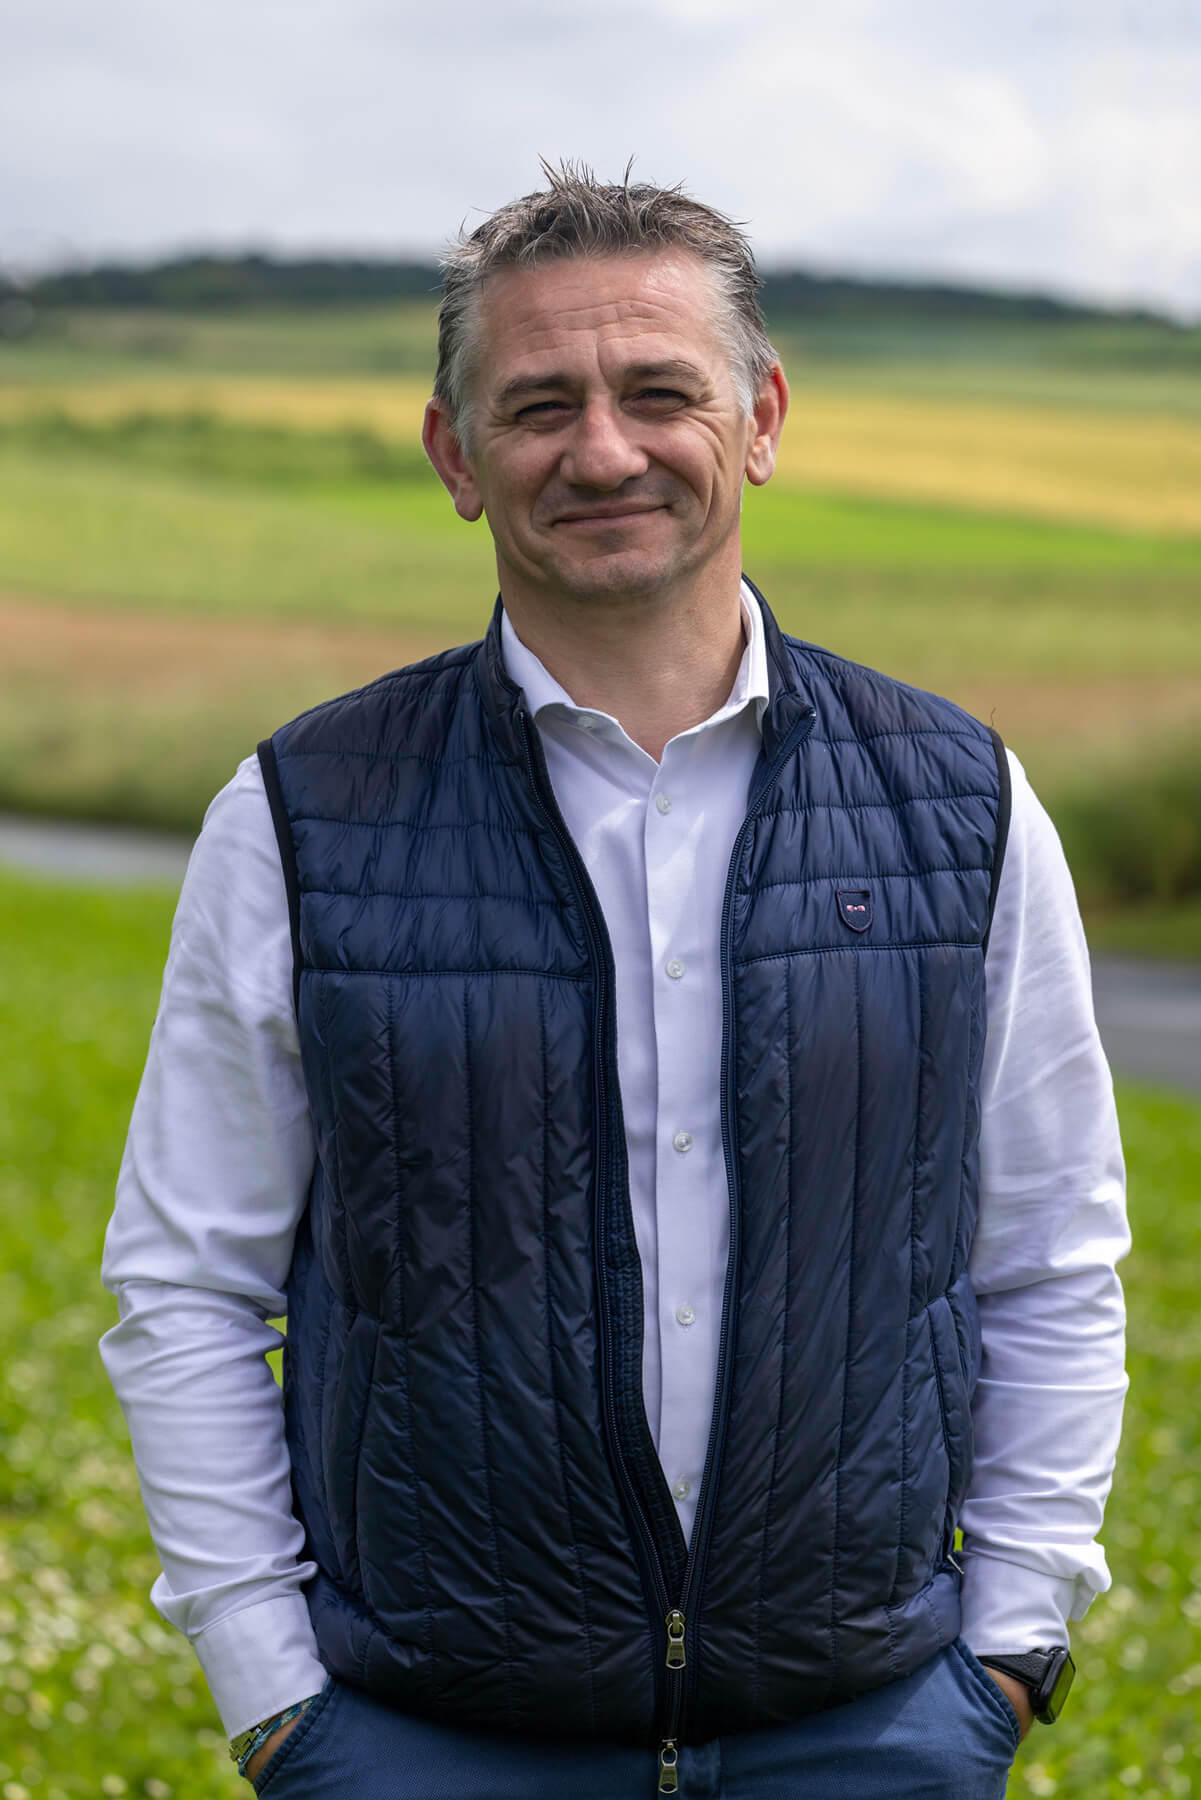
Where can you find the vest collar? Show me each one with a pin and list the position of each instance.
(504, 701)
(789, 702)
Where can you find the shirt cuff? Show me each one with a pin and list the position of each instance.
(1009, 1608)
(260, 1660)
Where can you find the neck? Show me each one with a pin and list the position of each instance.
(657, 670)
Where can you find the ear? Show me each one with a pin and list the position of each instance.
(444, 450)
(768, 416)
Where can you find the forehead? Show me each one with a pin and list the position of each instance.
(577, 310)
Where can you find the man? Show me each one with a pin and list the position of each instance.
(582, 1036)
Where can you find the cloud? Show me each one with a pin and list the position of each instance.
(1035, 142)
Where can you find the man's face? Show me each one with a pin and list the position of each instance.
(608, 444)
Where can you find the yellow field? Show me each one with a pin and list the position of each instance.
(1138, 472)
(392, 408)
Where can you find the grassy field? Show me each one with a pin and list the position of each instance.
(1139, 471)
(98, 1697)
(208, 523)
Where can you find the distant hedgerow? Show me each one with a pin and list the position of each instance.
(1133, 834)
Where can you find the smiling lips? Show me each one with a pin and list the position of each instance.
(606, 515)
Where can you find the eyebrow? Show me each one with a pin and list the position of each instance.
(674, 369)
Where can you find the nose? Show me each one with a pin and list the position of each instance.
(600, 452)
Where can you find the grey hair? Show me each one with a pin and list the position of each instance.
(578, 216)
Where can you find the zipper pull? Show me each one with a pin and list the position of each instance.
(675, 1640)
(669, 1756)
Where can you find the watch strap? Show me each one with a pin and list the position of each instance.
(1047, 1673)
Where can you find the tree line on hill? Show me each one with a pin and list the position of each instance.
(228, 283)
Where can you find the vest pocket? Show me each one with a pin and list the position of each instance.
(347, 1389)
(954, 1407)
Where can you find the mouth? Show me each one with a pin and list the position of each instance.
(607, 515)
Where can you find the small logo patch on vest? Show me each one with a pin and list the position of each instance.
(855, 906)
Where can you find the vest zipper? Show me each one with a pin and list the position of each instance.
(677, 1659)
(675, 1617)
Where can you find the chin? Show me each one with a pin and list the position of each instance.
(617, 577)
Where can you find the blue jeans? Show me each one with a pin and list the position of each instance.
(947, 1731)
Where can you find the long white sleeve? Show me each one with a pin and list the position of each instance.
(213, 1183)
(1052, 1224)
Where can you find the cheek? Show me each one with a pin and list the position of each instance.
(524, 477)
(507, 495)
(711, 459)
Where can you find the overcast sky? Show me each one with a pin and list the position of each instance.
(1048, 143)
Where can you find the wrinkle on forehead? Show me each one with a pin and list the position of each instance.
(557, 312)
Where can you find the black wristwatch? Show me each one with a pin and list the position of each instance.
(1048, 1674)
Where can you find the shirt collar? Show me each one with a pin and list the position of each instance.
(542, 691)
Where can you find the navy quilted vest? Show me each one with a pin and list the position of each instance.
(496, 1542)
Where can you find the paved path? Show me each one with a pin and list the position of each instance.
(1149, 1012)
(115, 854)
(1150, 1018)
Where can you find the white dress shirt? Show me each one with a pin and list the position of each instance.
(220, 1153)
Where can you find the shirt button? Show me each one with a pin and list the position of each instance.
(675, 968)
(682, 1141)
(685, 1315)
(587, 721)
(681, 1489)
(664, 803)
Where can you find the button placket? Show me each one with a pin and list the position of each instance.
(679, 901)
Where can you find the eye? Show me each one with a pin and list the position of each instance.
(541, 412)
(660, 399)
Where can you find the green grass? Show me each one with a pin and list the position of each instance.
(202, 444)
(91, 531)
(98, 1697)
(157, 766)
(1154, 931)
(1135, 1723)
(1134, 833)
(918, 590)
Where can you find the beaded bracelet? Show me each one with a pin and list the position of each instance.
(246, 1746)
